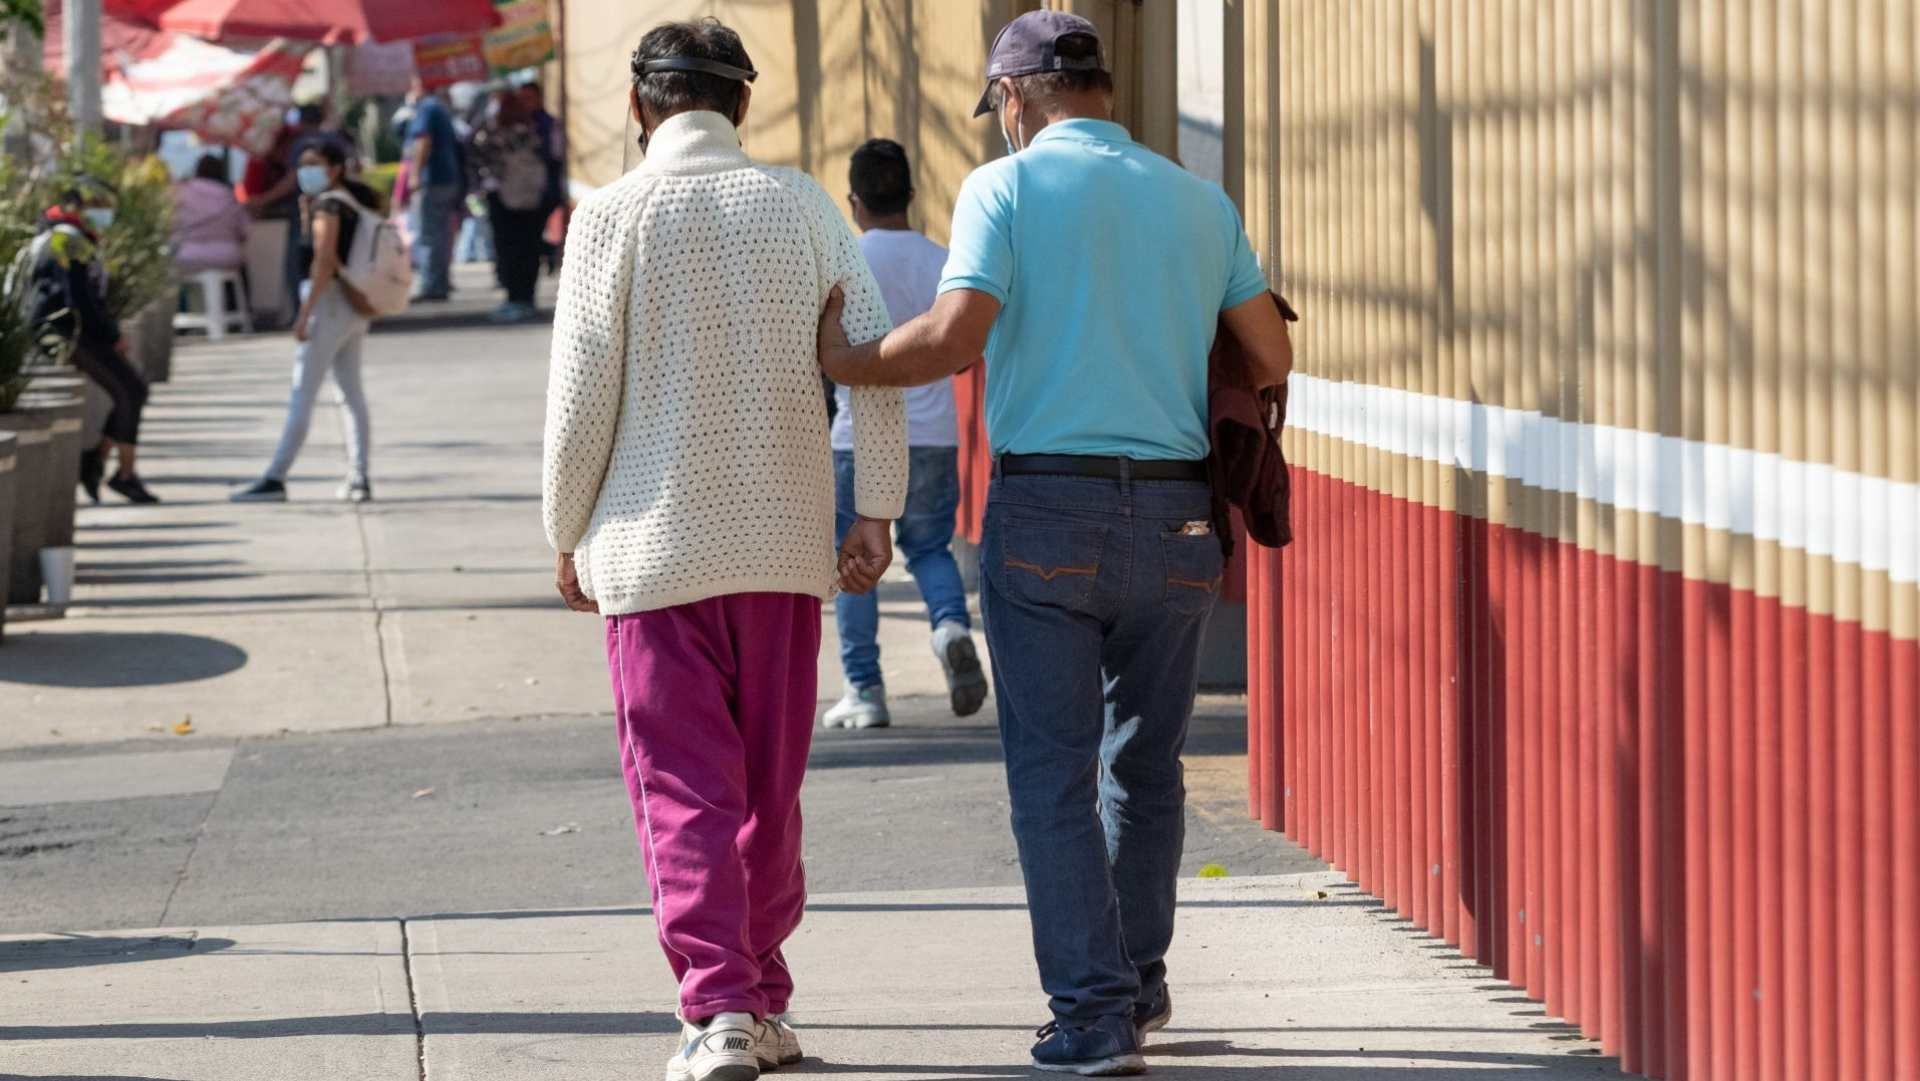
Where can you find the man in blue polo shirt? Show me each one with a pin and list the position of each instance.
(1092, 273)
(433, 146)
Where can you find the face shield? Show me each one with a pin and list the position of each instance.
(694, 64)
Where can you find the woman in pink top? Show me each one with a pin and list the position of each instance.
(209, 224)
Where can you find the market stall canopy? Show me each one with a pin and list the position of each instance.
(231, 97)
(226, 96)
(330, 22)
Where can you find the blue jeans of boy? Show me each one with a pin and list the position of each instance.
(1095, 595)
(924, 536)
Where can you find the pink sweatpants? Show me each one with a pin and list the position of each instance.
(715, 702)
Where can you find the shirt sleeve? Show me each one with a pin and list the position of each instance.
(879, 413)
(1244, 280)
(587, 375)
(980, 253)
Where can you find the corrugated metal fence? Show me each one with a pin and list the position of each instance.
(1596, 653)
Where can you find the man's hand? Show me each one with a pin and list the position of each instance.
(834, 346)
(568, 581)
(923, 350)
(865, 554)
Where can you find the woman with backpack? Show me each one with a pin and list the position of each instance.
(513, 168)
(331, 326)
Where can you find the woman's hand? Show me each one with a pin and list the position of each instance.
(865, 554)
(300, 326)
(567, 579)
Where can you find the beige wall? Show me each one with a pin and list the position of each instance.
(834, 73)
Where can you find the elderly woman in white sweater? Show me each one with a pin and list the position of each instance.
(689, 492)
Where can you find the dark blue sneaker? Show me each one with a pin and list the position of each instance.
(1106, 1048)
(1153, 1016)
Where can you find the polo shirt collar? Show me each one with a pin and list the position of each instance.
(701, 141)
(1101, 131)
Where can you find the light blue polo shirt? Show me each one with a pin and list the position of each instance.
(1112, 266)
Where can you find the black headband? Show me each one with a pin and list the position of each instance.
(697, 65)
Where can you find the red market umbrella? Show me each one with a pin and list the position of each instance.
(330, 22)
(138, 11)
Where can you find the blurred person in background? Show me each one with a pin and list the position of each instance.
(907, 266)
(209, 223)
(67, 307)
(272, 188)
(553, 146)
(330, 328)
(511, 162)
(439, 183)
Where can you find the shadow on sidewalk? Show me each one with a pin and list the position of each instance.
(116, 659)
(83, 951)
(518, 1023)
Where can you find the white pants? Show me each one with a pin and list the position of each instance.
(334, 336)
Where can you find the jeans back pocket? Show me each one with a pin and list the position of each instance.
(1194, 567)
(1046, 565)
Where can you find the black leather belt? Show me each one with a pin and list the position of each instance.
(1076, 465)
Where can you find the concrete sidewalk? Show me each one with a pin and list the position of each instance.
(433, 604)
(1297, 977)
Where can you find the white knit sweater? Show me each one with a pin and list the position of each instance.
(686, 444)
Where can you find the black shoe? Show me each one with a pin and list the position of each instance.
(1151, 1017)
(93, 470)
(264, 490)
(131, 489)
(1106, 1048)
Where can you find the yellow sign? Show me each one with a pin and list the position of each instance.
(525, 36)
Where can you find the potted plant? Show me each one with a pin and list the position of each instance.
(139, 258)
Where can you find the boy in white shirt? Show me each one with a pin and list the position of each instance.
(907, 266)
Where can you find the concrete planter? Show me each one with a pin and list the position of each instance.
(33, 449)
(134, 331)
(63, 464)
(61, 378)
(156, 339)
(7, 473)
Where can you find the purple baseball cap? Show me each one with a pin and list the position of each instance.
(1025, 47)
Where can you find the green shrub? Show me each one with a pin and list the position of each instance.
(381, 178)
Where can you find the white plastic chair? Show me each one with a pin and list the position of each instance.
(214, 316)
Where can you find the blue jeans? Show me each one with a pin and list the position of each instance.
(432, 224)
(924, 536)
(1095, 601)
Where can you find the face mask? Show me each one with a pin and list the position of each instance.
(100, 217)
(1007, 136)
(313, 179)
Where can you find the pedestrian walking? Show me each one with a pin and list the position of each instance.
(439, 184)
(330, 328)
(67, 307)
(689, 494)
(1092, 272)
(511, 160)
(907, 266)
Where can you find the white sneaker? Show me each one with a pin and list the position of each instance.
(860, 707)
(721, 1051)
(776, 1044)
(966, 682)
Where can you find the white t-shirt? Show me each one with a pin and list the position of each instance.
(908, 267)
